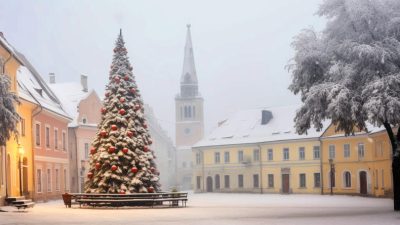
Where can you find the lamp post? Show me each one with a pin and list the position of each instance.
(21, 152)
(332, 171)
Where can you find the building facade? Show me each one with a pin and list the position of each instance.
(188, 116)
(361, 163)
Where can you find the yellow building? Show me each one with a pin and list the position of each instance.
(11, 156)
(258, 151)
(361, 162)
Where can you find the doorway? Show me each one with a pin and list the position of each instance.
(25, 177)
(285, 183)
(209, 184)
(363, 183)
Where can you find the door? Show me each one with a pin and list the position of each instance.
(209, 184)
(363, 182)
(285, 183)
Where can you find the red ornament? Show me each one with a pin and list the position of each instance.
(111, 149)
(125, 150)
(103, 110)
(137, 107)
(117, 79)
(114, 167)
(134, 170)
(90, 175)
(122, 192)
(122, 111)
(145, 125)
(146, 148)
(97, 165)
(150, 189)
(114, 127)
(93, 150)
(152, 169)
(126, 78)
(133, 90)
(103, 133)
(122, 100)
(129, 133)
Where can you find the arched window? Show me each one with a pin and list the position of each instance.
(217, 184)
(189, 112)
(347, 179)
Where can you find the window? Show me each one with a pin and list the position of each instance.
(240, 180)
(22, 127)
(240, 156)
(256, 182)
(57, 180)
(217, 158)
(285, 154)
(37, 134)
(317, 180)
(302, 180)
(361, 151)
(270, 155)
(316, 153)
(302, 154)
(331, 151)
(47, 136)
(270, 180)
(64, 141)
(39, 181)
(48, 180)
(55, 138)
(84, 120)
(226, 179)
(379, 148)
(198, 159)
(226, 157)
(256, 155)
(347, 179)
(217, 182)
(346, 150)
(86, 150)
(66, 185)
(383, 178)
(198, 179)
(376, 179)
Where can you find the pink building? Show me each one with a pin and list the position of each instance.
(84, 106)
(50, 135)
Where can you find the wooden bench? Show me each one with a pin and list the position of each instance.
(118, 200)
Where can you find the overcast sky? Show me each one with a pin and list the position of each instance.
(240, 47)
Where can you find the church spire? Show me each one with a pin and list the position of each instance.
(189, 70)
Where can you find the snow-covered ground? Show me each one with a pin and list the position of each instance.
(222, 209)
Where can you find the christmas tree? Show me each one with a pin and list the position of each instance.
(121, 160)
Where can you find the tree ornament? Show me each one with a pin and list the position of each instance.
(125, 150)
(97, 165)
(122, 111)
(133, 90)
(111, 149)
(130, 133)
(137, 107)
(152, 169)
(103, 133)
(114, 127)
(107, 94)
(150, 141)
(146, 148)
(150, 189)
(145, 125)
(134, 170)
(122, 100)
(122, 192)
(93, 150)
(117, 79)
(90, 175)
(103, 110)
(126, 78)
(114, 167)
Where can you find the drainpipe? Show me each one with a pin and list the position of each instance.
(5, 147)
(321, 167)
(261, 175)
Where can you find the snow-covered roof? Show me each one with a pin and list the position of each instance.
(244, 127)
(71, 94)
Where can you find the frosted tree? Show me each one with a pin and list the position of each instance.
(350, 73)
(9, 117)
(121, 158)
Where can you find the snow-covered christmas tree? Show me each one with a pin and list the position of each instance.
(121, 158)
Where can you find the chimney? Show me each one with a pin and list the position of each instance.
(266, 116)
(84, 83)
(52, 78)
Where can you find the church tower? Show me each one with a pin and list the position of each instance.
(188, 115)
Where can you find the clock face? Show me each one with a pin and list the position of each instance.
(187, 130)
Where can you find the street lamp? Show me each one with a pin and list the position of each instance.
(21, 152)
(332, 174)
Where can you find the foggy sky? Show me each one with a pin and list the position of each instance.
(240, 47)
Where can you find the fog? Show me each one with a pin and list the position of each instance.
(240, 47)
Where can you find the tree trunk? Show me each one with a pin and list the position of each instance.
(395, 164)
